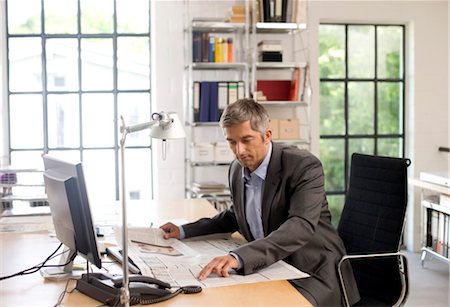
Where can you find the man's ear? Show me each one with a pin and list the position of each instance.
(268, 136)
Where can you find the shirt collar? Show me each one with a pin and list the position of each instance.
(261, 171)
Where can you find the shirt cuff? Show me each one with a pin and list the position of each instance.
(238, 259)
(182, 233)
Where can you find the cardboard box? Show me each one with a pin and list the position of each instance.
(223, 153)
(289, 129)
(275, 127)
(203, 152)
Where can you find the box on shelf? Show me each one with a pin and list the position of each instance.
(270, 56)
(203, 152)
(223, 153)
(289, 129)
(274, 125)
(270, 45)
(275, 90)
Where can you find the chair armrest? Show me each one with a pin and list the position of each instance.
(403, 270)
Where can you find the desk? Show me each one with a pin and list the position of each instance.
(22, 250)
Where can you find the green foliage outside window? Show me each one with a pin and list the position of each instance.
(361, 110)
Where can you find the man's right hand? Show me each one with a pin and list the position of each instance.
(170, 231)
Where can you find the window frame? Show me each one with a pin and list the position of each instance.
(44, 92)
(346, 137)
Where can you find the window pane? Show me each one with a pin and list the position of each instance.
(62, 64)
(335, 204)
(98, 120)
(27, 159)
(133, 18)
(332, 51)
(138, 173)
(25, 64)
(135, 109)
(26, 126)
(332, 108)
(360, 108)
(391, 147)
(67, 155)
(63, 121)
(390, 96)
(133, 62)
(97, 64)
(364, 146)
(61, 16)
(97, 16)
(332, 155)
(22, 21)
(361, 51)
(100, 173)
(390, 52)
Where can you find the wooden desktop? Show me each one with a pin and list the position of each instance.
(19, 251)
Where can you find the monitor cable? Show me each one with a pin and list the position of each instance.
(41, 265)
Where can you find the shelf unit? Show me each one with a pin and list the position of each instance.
(435, 221)
(23, 193)
(246, 68)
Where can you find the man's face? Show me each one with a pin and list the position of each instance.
(247, 144)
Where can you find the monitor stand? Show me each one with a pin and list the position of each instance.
(63, 272)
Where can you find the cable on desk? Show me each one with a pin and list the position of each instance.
(61, 296)
(41, 265)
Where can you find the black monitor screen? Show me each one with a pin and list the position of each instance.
(69, 206)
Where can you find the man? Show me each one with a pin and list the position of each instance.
(279, 206)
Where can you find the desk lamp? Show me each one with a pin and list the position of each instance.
(162, 126)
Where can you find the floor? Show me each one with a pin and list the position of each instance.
(428, 286)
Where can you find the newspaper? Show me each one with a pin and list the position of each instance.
(179, 262)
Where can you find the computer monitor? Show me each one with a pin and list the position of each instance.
(69, 206)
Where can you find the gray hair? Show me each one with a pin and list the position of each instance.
(243, 110)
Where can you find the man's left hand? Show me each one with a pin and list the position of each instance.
(219, 265)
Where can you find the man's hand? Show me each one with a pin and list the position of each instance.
(219, 265)
(170, 231)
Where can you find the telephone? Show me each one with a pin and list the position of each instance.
(143, 289)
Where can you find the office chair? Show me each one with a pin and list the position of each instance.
(371, 227)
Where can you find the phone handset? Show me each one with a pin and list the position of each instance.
(117, 281)
(143, 292)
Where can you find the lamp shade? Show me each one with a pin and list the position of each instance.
(168, 126)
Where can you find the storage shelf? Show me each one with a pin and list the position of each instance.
(279, 65)
(217, 26)
(279, 27)
(437, 207)
(218, 66)
(283, 103)
(247, 69)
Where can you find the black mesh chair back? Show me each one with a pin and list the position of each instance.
(372, 223)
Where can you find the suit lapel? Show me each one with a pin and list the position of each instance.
(273, 179)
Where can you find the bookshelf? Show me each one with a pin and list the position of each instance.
(22, 192)
(249, 70)
(435, 202)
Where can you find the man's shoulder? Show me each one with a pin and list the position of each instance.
(292, 152)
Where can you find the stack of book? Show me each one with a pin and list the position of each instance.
(281, 10)
(237, 14)
(208, 187)
(211, 48)
(211, 97)
(270, 51)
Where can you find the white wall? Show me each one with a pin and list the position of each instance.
(428, 110)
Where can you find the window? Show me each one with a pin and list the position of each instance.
(74, 67)
(362, 99)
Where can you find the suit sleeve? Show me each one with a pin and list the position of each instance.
(224, 222)
(303, 194)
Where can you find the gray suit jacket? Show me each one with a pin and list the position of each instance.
(296, 221)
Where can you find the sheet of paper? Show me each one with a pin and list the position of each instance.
(182, 270)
